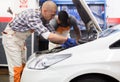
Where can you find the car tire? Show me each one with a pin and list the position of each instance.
(91, 78)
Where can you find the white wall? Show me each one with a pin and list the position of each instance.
(16, 5)
(113, 11)
(113, 8)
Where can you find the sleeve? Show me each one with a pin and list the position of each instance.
(54, 23)
(35, 23)
(73, 21)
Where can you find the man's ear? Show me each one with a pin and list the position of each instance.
(44, 10)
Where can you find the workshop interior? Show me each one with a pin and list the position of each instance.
(99, 16)
(98, 8)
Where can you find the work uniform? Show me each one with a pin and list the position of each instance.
(64, 31)
(14, 37)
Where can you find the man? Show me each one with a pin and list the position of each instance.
(21, 27)
(62, 24)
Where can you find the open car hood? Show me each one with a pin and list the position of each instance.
(86, 15)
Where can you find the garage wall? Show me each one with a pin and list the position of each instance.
(16, 6)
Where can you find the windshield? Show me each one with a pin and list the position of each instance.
(108, 32)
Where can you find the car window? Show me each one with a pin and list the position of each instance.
(115, 45)
(107, 32)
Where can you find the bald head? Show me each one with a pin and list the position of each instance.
(48, 9)
(49, 5)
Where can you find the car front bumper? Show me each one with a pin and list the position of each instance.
(46, 75)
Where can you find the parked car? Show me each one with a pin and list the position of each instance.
(94, 61)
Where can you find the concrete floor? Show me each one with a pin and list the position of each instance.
(4, 76)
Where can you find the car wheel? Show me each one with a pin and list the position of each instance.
(91, 78)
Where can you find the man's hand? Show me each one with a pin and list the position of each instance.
(69, 43)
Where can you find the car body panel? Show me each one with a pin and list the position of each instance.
(91, 57)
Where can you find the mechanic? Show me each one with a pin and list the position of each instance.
(42, 44)
(17, 31)
(62, 24)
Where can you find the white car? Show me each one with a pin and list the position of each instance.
(94, 61)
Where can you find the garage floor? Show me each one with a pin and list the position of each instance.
(4, 76)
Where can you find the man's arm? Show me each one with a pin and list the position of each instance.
(57, 38)
(78, 33)
(74, 23)
(66, 42)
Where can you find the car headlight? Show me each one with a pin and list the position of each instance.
(44, 61)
